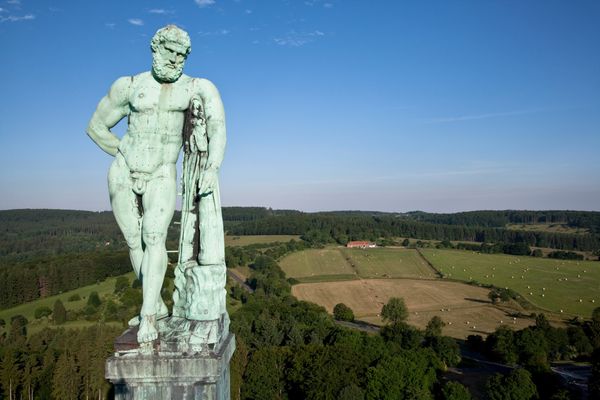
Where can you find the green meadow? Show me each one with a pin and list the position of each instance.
(561, 286)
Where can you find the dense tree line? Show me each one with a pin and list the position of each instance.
(577, 219)
(238, 214)
(31, 233)
(322, 227)
(34, 234)
(47, 276)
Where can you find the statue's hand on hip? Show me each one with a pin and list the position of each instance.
(208, 182)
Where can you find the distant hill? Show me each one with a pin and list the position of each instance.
(589, 220)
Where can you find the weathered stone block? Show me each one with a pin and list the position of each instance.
(172, 375)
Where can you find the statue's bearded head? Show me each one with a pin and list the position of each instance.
(170, 48)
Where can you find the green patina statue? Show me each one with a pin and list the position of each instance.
(168, 110)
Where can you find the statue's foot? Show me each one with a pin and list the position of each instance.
(147, 332)
(163, 312)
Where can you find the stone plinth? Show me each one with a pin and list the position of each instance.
(171, 375)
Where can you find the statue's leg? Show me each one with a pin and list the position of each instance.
(127, 210)
(159, 206)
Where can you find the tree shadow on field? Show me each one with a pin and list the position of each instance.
(478, 300)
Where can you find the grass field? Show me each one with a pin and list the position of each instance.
(554, 285)
(388, 263)
(104, 289)
(254, 239)
(466, 308)
(316, 263)
(335, 264)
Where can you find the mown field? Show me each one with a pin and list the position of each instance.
(257, 239)
(465, 308)
(334, 264)
(553, 285)
(317, 264)
(388, 263)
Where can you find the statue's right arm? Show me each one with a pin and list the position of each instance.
(111, 109)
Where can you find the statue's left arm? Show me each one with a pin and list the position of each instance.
(215, 131)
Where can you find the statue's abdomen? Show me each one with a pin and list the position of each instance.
(146, 146)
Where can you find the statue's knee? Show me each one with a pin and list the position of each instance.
(154, 238)
(134, 240)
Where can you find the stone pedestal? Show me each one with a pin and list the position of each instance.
(167, 374)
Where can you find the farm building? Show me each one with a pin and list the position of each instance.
(360, 244)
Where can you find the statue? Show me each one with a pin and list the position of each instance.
(168, 110)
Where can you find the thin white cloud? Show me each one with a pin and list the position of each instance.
(248, 11)
(204, 3)
(161, 11)
(315, 2)
(482, 116)
(14, 2)
(14, 18)
(2, 9)
(297, 39)
(220, 32)
(110, 25)
(135, 21)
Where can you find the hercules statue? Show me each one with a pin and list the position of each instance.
(166, 110)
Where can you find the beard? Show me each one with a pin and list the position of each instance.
(163, 70)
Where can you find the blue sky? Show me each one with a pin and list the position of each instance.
(335, 104)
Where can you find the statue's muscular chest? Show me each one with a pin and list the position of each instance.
(148, 96)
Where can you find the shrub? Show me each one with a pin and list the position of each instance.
(74, 297)
(121, 284)
(94, 300)
(342, 312)
(41, 312)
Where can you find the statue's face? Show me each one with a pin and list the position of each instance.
(168, 61)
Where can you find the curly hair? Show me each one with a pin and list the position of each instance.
(173, 34)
